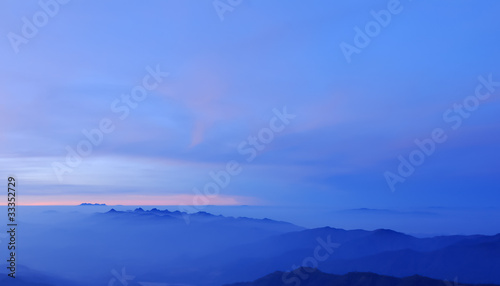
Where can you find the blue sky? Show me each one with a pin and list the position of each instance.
(225, 78)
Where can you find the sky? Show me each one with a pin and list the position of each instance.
(289, 103)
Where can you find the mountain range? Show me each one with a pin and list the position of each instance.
(313, 277)
(174, 247)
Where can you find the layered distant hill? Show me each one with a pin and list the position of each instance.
(173, 247)
(474, 259)
(314, 277)
(29, 277)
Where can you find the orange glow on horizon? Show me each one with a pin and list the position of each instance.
(136, 200)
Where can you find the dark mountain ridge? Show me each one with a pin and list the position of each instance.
(313, 277)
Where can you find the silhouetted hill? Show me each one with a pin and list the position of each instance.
(473, 258)
(29, 277)
(313, 277)
(20, 282)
